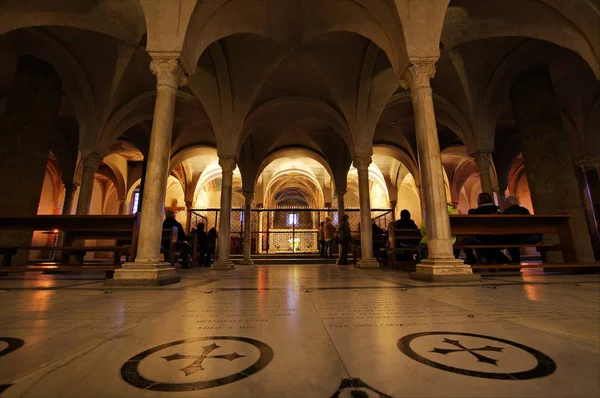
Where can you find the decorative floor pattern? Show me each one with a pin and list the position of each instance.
(300, 331)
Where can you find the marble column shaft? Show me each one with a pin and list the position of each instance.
(223, 261)
(340, 193)
(482, 160)
(169, 76)
(70, 189)
(548, 165)
(26, 129)
(440, 263)
(248, 195)
(91, 160)
(361, 163)
(591, 181)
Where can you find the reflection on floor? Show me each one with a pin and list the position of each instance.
(300, 331)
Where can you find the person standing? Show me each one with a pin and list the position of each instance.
(321, 239)
(344, 236)
(211, 245)
(329, 235)
(183, 246)
(201, 243)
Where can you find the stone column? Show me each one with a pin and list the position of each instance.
(91, 160)
(341, 211)
(147, 269)
(501, 190)
(591, 180)
(362, 162)
(121, 206)
(440, 265)
(393, 204)
(482, 160)
(188, 210)
(26, 128)
(70, 189)
(223, 262)
(248, 195)
(548, 164)
(340, 193)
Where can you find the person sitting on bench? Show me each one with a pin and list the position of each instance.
(492, 256)
(182, 245)
(511, 206)
(405, 222)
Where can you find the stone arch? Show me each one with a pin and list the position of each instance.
(329, 115)
(76, 84)
(470, 20)
(280, 153)
(135, 112)
(446, 114)
(123, 20)
(212, 22)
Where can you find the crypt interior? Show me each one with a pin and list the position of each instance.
(260, 119)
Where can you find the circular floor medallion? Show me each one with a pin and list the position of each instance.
(13, 344)
(483, 355)
(219, 351)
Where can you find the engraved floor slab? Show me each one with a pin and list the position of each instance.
(300, 331)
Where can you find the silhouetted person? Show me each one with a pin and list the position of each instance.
(344, 236)
(405, 222)
(211, 245)
(321, 239)
(201, 243)
(376, 231)
(182, 245)
(512, 207)
(486, 206)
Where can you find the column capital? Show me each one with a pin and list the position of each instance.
(362, 162)
(340, 192)
(70, 185)
(227, 163)
(418, 74)
(91, 158)
(482, 158)
(248, 195)
(393, 203)
(588, 162)
(168, 71)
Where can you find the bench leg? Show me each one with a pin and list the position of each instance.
(6, 260)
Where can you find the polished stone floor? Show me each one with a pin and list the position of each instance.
(300, 331)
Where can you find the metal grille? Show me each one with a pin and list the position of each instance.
(286, 229)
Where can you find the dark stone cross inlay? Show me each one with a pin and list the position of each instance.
(472, 351)
(197, 364)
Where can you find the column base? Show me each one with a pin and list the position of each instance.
(144, 274)
(246, 263)
(367, 263)
(226, 264)
(444, 270)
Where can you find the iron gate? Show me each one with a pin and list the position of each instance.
(283, 229)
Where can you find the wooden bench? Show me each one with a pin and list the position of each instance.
(77, 229)
(402, 241)
(109, 270)
(559, 225)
